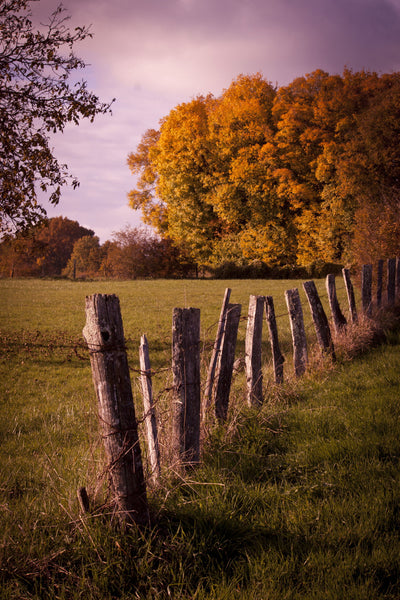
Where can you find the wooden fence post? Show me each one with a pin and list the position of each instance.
(253, 341)
(208, 392)
(104, 336)
(339, 320)
(391, 281)
(150, 417)
(277, 356)
(319, 317)
(398, 277)
(226, 359)
(366, 289)
(300, 356)
(379, 284)
(186, 384)
(350, 295)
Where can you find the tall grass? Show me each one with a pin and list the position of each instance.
(300, 499)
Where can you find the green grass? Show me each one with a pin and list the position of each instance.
(300, 499)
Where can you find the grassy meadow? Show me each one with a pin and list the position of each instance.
(300, 499)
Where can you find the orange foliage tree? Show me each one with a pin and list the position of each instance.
(285, 176)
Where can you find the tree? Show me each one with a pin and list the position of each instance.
(58, 237)
(42, 250)
(20, 256)
(172, 190)
(360, 168)
(86, 258)
(136, 252)
(37, 99)
(279, 176)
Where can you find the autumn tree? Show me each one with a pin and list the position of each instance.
(57, 238)
(360, 166)
(174, 163)
(20, 255)
(37, 99)
(137, 252)
(241, 183)
(285, 176)
(42, 250)
(86, 258)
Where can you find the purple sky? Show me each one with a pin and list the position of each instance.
(153, 54)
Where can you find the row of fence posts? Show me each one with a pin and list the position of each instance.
(104, 336)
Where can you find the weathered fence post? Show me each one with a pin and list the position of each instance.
(104, 336)
(391, 281)
(150, 417)
(300, 356)
(277, 356)
(398, 277)
(186, 384)
(253, 341)
(319, 317)
(339, 320)
(226, 359)
(366, 289)
(208, 392)
(379, 284)
(350, 295)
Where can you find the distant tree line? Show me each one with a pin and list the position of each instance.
(63, 248)
(297, 176)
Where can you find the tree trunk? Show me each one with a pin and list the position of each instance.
(104, 336)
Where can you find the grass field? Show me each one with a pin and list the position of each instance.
(300, 499)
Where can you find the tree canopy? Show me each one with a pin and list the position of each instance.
(279, 175)
(37, 99)
(62, 247)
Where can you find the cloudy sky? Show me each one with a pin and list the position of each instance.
(153, 54)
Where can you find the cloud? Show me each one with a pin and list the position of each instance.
(154, 54)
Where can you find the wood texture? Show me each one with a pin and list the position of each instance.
(104, 336)
(366, 289)
(350, 295)
(379, 284)
(253, 353)
(209, 387)
(300, 354)
(226, 360)
(319, 317)
(149, 411)
(277, 356)
(391, 281)
(338, 318)
(186, 384)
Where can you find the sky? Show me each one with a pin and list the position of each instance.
(154, 54)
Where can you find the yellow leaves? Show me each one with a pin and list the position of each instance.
(279, 170)
(272, 244)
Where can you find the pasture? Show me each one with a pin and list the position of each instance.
(300, 499)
